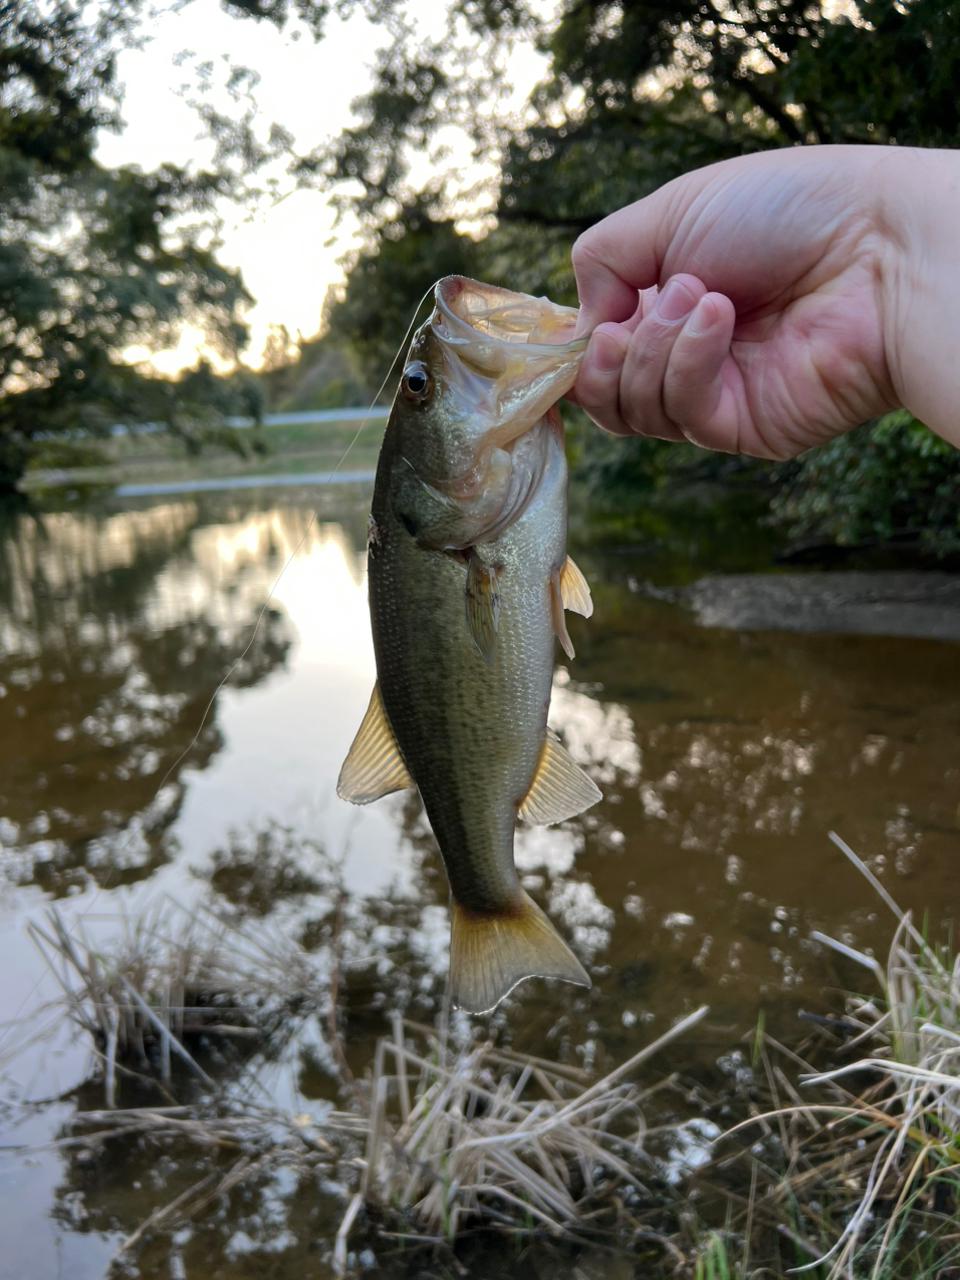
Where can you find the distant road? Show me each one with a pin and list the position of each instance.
(149, 490)
(277, 419)
(313, 415)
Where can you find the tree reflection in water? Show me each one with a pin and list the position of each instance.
(723, 759)
(114, 637)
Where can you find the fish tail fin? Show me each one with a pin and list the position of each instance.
(490, 952)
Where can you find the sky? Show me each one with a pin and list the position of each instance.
(289, 251)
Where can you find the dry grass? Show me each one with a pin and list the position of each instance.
(173, 977)
(439, 1137)
(865, 1179)
(484, 1133)
(452, 1137)
(853, 1167)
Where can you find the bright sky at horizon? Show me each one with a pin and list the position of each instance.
(288, 251)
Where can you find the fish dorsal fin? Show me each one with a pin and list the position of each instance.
(374, 766)
(574, 590)
(481, 596)
(560, 788)
(490, 952)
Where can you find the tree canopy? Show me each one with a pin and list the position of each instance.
(635, 93)
(94, 261)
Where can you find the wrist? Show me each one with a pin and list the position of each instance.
(918, 198)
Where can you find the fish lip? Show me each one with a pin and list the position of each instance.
(448, 290)
(489, 363)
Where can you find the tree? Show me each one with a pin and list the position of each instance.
(94, 261)
(636, 92)
(640, 92)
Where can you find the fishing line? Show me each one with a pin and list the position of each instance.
(101, 888)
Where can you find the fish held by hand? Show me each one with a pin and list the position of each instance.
(469, 580)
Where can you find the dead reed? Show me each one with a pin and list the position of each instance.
(439, 1136)
(175, 977)
(858, 1167)
(848, 1167)
(485, 1133)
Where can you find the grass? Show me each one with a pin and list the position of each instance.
(846, 1165)
(293, 448)
(172, 979)
(480, 1133)
(444, 1134)
(857, 1167)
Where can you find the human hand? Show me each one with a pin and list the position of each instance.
(789, 300)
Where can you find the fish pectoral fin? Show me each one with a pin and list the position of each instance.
(574, 590)
(481, 596)
(374, 766)
(491, 952)
(556, 612)
(560, 788)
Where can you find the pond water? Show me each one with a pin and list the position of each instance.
(180, 678)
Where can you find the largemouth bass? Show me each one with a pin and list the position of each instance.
(469, 578)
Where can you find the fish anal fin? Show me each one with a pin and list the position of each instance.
(491, 952)
(481, 595)
(560, 788)
(374, 766)
(556, 612)
(574, 590)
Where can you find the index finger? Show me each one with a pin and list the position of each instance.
(616, 258)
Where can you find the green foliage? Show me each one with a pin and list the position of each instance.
(714, 1263)
(387, 283)
(638, 93)
(889, 480)
(95, 261)
(67, 454)
(635, 94)
(624, 472)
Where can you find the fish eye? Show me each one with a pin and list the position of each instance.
(416, 383)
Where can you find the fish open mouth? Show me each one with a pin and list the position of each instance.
(471, 309)
(514, 354)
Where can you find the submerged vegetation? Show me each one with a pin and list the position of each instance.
(839, 1154)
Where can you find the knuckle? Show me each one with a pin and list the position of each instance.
(586, 254)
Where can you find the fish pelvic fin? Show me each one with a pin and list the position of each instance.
(374, 766)
(560, 788)
(574, 590)
(491, 952)
(559, 621)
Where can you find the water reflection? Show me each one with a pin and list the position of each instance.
(724, 759)
(115, 633)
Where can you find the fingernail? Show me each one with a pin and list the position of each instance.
(704, 317)
(606, 352)
(675, 302)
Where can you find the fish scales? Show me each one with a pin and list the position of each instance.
(468, 577)
(471, 732)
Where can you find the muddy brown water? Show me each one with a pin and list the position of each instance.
(725, 757)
